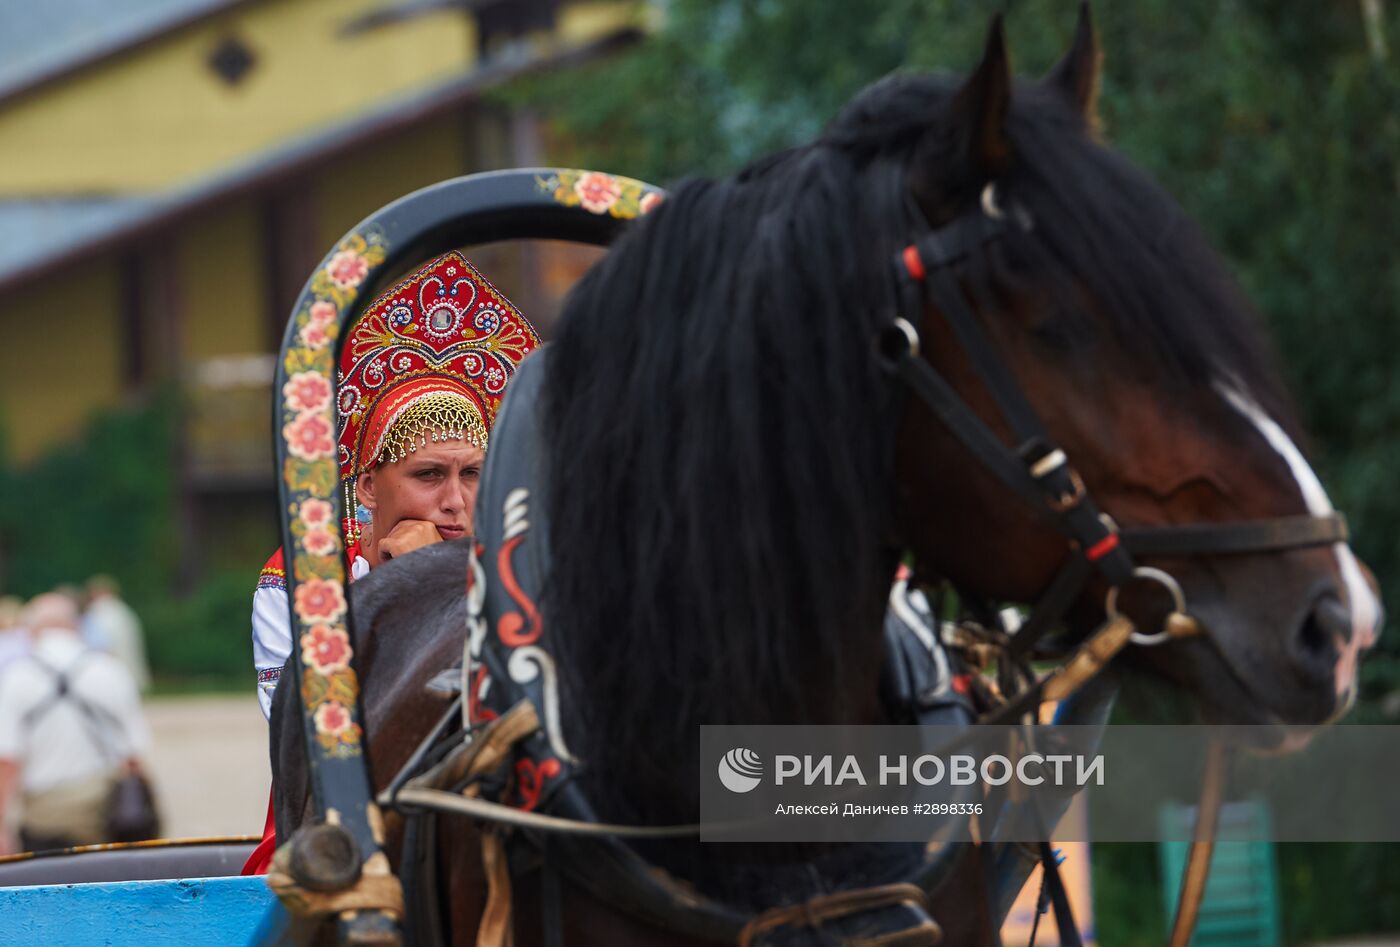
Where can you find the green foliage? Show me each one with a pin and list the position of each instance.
(1330, 890)
(204, 636)
(1128, 912)
(106, 503)
(101, 503)
(1314, 880)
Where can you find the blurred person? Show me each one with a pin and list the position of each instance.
(14, 640)
(70, 591)
(71, 730)
(422, 374)
(109, 624)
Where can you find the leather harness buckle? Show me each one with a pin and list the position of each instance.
(1068, 501)
(1048, 465)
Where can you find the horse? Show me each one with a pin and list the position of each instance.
(734, 473)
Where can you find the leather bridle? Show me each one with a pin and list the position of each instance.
(1036, 469)
(1040, 474)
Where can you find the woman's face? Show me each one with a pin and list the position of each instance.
(436, 483)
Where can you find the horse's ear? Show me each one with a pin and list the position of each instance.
(981, 104)
(1076, 77)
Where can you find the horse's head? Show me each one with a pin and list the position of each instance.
(1139, 354)
(733, 473)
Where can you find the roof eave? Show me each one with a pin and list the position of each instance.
(300, 157)
(114, 47)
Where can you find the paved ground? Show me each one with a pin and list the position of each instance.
(209, 763)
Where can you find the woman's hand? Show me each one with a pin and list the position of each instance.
(406, 536)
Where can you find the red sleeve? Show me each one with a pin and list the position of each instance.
(273, 574)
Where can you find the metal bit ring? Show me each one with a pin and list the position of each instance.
(1167, 582)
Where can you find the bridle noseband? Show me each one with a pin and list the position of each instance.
(1037, 470)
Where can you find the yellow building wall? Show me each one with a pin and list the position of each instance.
(63, 357)
(352, 188)
(222, 286)
(158, 115)
(585, 20)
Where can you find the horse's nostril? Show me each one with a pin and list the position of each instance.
(1313, 638)
(1327, 622)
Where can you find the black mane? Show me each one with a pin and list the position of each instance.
(722, 487)
(1103, 230)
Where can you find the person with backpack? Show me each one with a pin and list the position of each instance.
(72, 736)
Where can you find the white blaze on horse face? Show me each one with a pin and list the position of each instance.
(1361, 601)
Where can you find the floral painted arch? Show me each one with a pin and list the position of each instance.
(538, 203)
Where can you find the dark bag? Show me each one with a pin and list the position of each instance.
(131, 810)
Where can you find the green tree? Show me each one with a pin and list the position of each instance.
(101, 503)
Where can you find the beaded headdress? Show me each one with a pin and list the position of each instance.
(429, 360)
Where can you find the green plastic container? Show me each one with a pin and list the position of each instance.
(1241, 906)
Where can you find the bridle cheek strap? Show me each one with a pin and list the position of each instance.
(1037, 470)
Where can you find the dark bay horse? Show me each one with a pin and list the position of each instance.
(735, 474)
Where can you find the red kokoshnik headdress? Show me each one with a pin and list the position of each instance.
(428, 360)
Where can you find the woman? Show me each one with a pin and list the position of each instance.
(422, 375)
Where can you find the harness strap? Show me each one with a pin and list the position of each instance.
(947, 405)
(1197, 871)
(1088, 660)
(817, 911)
(431, 746)
(1063, 590)
(502, 814)
(551, 898)
(485, 753)
(1285, 532)
(951, 243)
(652, 895)
(1059, 898)
(495, 928)
(418, 872)
(1056, 482)
(1037, 470)
(1020, 417)
(1091, 658)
